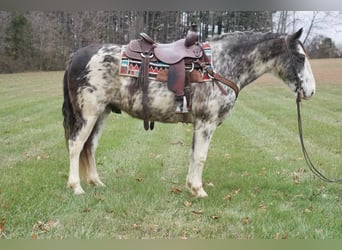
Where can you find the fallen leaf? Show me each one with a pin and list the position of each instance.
(227, 156)
(235, 192)
(153, 155)
(262, 207)
(42, 226)
(179, 142)
(152, 227)
(27, 155)
(298, 195)
(297, 174)
(34, 236)
(43, 156)
(278, 158)
(52, 223)
(285, 236)
(86, 210)
(210, 184)
(214, 217)
(139, 179)
(307, 210)
(228, 197)
(245, 174)
(175, 190)
(187, 203)
(296, 178)
(2, 225)
(98, 196)
(184, 235)
(262, 171)
(245, 221)
(197, 212)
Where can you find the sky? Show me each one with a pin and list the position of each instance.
(327, 23)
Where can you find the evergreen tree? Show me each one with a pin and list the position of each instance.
(18, 38)
(18, 44)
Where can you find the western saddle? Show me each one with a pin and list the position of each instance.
(181, 56)
(177, 55)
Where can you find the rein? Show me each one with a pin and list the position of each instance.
(311, 166)
(299, 90)
(216, 77)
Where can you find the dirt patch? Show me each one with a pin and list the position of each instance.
(326, 71)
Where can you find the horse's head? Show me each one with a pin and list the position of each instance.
(295, 69)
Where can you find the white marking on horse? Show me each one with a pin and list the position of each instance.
(307, 77)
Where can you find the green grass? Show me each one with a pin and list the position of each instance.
(258, 184)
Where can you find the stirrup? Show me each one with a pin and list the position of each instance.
(182, 108)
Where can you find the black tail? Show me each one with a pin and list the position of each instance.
(67, 109)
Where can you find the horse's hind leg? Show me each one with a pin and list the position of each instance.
(88, 165)
(76, 145)
(87, 159)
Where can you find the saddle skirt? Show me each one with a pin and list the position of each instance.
(130, 65)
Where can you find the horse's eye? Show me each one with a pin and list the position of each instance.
(301, 58)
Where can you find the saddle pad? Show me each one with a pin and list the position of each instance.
(131, 67)
(207, 50)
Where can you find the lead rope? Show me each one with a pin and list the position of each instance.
(305, 153)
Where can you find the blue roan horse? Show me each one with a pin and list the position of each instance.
(93, 88)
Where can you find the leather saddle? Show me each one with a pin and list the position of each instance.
(176, 54)
(169, 53)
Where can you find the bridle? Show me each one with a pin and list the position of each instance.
(299, 90)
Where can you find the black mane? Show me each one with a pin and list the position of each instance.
(246, 38)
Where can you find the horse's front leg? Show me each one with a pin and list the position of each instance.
(202, 135)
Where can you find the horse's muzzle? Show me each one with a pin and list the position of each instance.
(301, 94)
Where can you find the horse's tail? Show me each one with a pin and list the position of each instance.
(67, 109)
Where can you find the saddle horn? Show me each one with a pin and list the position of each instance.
(192, 36)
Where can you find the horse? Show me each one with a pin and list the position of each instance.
(93, 88)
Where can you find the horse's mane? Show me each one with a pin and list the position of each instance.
(245, 38)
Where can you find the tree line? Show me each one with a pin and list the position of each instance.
(37, 40)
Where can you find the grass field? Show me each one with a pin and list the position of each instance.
(258, 183)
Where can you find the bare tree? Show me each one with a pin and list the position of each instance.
(314, 21)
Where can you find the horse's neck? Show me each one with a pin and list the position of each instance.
(242, 64)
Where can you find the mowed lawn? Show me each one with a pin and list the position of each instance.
(258, 183)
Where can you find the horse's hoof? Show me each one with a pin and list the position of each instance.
(78, 191)
(76, 187)
(197, 192)
(97, 183)
(200, 193)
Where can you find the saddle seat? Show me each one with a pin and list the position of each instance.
(169, 53)
(172, 53)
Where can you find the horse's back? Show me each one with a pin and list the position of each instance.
(79, 59)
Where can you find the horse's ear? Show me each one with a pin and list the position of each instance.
(297, 35)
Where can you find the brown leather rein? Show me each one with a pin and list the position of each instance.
(216, 77)
(299, 90)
